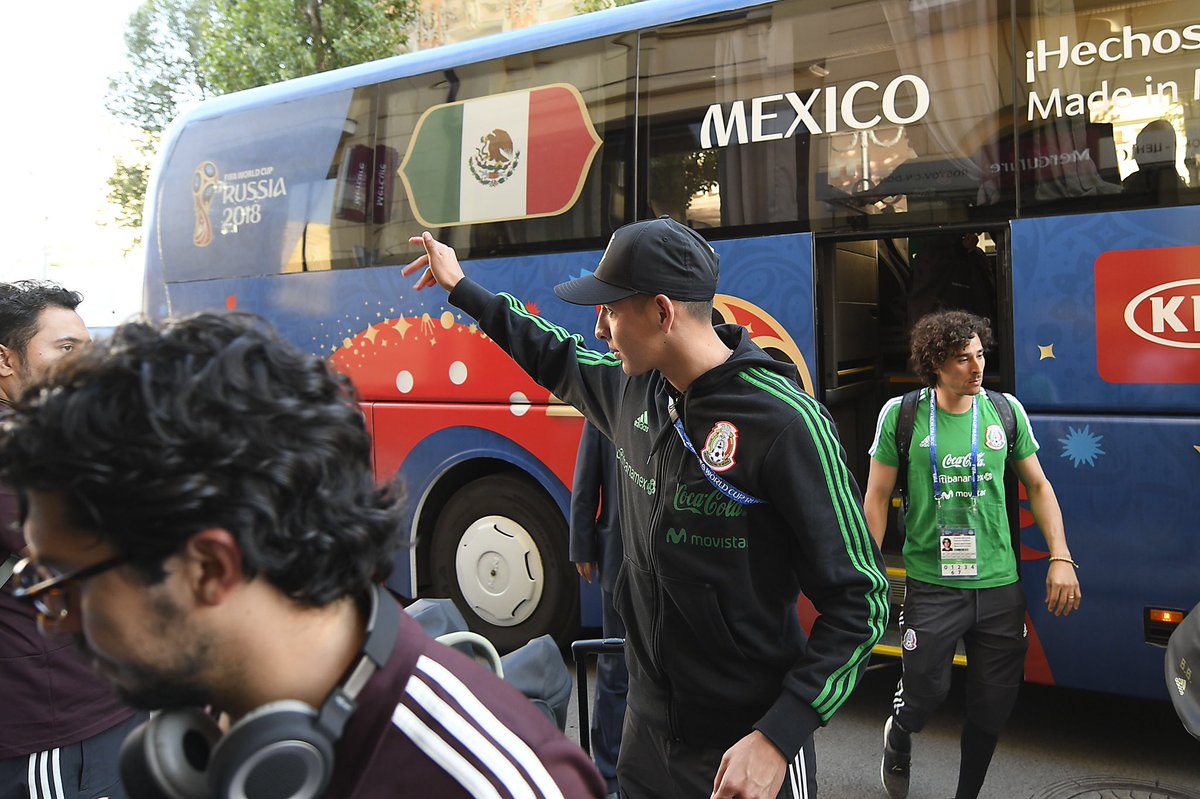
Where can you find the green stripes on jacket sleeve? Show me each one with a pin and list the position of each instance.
(851, 524)
(584, 355)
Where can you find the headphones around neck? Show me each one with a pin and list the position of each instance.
(282, 750)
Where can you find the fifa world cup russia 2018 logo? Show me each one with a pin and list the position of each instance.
(204, 188)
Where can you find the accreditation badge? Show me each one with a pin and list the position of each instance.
(957, 543)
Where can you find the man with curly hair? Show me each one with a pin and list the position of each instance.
(202, 516)
(970, 588)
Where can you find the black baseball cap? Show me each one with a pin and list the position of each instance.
(655, 256)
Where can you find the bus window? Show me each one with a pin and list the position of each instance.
(334, 206)
(266, 189)
(798, 114)
(589, 78)
(1108, 114)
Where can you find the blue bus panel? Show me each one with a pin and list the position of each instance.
(1126, 487)
(1106, 311)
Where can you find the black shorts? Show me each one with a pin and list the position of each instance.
(991, 624)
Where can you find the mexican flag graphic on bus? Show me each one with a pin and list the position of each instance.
(506, 156)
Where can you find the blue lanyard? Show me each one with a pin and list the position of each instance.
(933, 465)
(737, 495)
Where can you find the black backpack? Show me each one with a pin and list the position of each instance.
(904, 431)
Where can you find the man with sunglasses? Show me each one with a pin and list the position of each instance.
(203, 516)
(62, 725)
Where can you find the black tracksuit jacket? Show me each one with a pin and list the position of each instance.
(708, 587)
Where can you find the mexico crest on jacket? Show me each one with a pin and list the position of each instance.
(720, 445)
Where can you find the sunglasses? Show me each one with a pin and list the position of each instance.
(46, 588)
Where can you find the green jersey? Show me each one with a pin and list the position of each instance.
(923, 543)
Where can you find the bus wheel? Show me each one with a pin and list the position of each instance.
(500, 552)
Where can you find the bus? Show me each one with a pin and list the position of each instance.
(851, 163)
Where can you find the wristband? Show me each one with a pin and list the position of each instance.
(1064, 560)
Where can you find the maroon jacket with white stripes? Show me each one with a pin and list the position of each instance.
(51, 697)
(433, 723)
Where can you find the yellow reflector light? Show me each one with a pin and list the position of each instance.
(1165, 616)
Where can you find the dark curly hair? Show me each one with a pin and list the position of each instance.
(212, 420)
(937, 336)
(22, 302)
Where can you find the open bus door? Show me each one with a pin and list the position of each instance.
(869, 292)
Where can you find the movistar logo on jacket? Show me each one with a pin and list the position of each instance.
(643, 422)
(681, 536)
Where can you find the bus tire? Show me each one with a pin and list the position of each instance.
(499, 550)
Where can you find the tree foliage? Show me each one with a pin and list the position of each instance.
(182, 51)
(676, 179)
(163, 41)
(255, 42)
(127, 184)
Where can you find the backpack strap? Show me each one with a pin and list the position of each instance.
(1009, 419)
(904, 433)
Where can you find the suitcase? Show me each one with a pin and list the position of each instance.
(580, 652)
(536, 669)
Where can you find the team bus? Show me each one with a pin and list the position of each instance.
(852, 162)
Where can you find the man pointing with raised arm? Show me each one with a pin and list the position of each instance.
(734, 497)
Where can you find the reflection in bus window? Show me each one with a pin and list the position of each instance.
(792, 113)
(1092, 79)
(330, 212)
(1156, 180)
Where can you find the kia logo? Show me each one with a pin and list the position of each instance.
(1170, 312)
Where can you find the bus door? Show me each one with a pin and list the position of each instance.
(869, 293)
